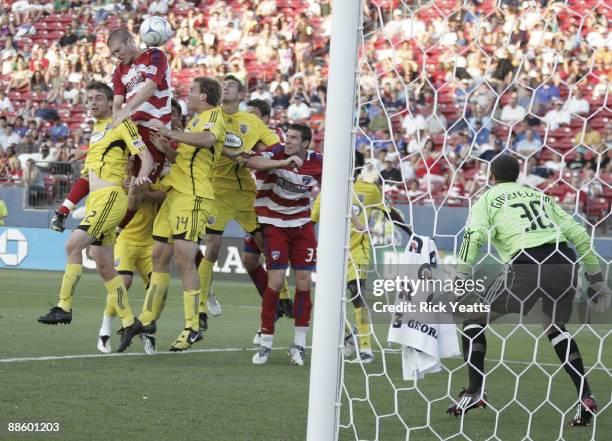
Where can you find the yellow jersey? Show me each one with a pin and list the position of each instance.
(140, 229)
(243, 130)
(109, 148)
(192, 171)
(367, 197)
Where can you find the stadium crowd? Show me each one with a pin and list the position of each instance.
(443, 88)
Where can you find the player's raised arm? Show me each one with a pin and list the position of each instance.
(163, 145)
(136, 146)
(263, 163)
(141, 97)
(476, 233)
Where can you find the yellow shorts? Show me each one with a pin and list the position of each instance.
(130, 256)
(238, 205)
(356, 271)
(183, 216)
(105, 210)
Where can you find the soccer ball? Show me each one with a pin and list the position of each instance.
(155, 31)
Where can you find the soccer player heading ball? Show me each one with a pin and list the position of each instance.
(531, 233)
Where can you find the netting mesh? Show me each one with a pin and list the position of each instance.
(444, 88)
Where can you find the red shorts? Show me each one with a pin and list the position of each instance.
(297, 245)
(159, 158)
(250, 246)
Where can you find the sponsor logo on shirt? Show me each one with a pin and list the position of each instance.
(97, 136)
(232, 141)
(291, 187)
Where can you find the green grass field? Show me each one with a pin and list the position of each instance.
(215, 393)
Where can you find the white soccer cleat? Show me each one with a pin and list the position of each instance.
(213, 305)
(257, 338)
(262, 355)
(297, 354)
(349, 344)
(149, 343)
(366, 356)
(104, 344)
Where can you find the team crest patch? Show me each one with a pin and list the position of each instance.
(275, 255)
(244, 129)
(306, 180)
(211, 220)
(107, 127)
(117, 260)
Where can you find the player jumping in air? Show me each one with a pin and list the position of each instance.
(189, 205)
(285, 178)
(141, 81)
(106, 206)
(531, 233)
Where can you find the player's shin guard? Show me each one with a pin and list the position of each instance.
(474, 350)
(118, 298)
(155, 300)
(71, 278)
(259, 276)
(302, 307)
(205, 270)
(269, 305)
(567, 351)
(79, 190)
(191, 299)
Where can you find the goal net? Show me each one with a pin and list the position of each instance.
(444, 87)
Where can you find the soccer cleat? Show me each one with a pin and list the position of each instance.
(297, 354)
(467, 402)
(586, 409)
(257, 338)
(185, 340)
(57, 222)
(203, 318)
(56, 315)
(366, 357)
(149, 343)
(104, 344)
(127, 334)
(285, 308)
(349, 343)
(213, 305)
(262, 355)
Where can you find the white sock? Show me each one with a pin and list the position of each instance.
(300, 336)
(266, 340)
(69, 205)
(107, 325)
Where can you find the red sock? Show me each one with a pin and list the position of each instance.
(302, 307)
(128, 217)
(259, 276)
(79, 190)
(268, 310)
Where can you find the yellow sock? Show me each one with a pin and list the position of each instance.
(284, 294)
(362, 317)
(155, 300)
(72, 274)
(191, 299)
(206, 271)
(118, 298)
(109, 309)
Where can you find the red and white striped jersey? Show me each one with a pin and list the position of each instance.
(283, 194)
(128, 79)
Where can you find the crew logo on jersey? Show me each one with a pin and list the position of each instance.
(244, 129)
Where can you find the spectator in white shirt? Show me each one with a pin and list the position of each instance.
(577, 105)
(261, 93)
(5, 103)
(413, 122)
(557, 116)
(529, 144)
(158, 7)
(512, 113)
(9, 137)
(298, 110)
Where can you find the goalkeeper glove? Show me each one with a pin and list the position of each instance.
(598, 292)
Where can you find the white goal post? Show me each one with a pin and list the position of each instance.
(325, 368)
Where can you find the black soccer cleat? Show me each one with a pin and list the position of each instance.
(151, 328)
(203, 318)
(285, 308)
(586, 409)
(57, 222)
(467, 401)
(127, 334)
(56, 315)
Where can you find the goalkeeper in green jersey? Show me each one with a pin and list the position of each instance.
(531, 234)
